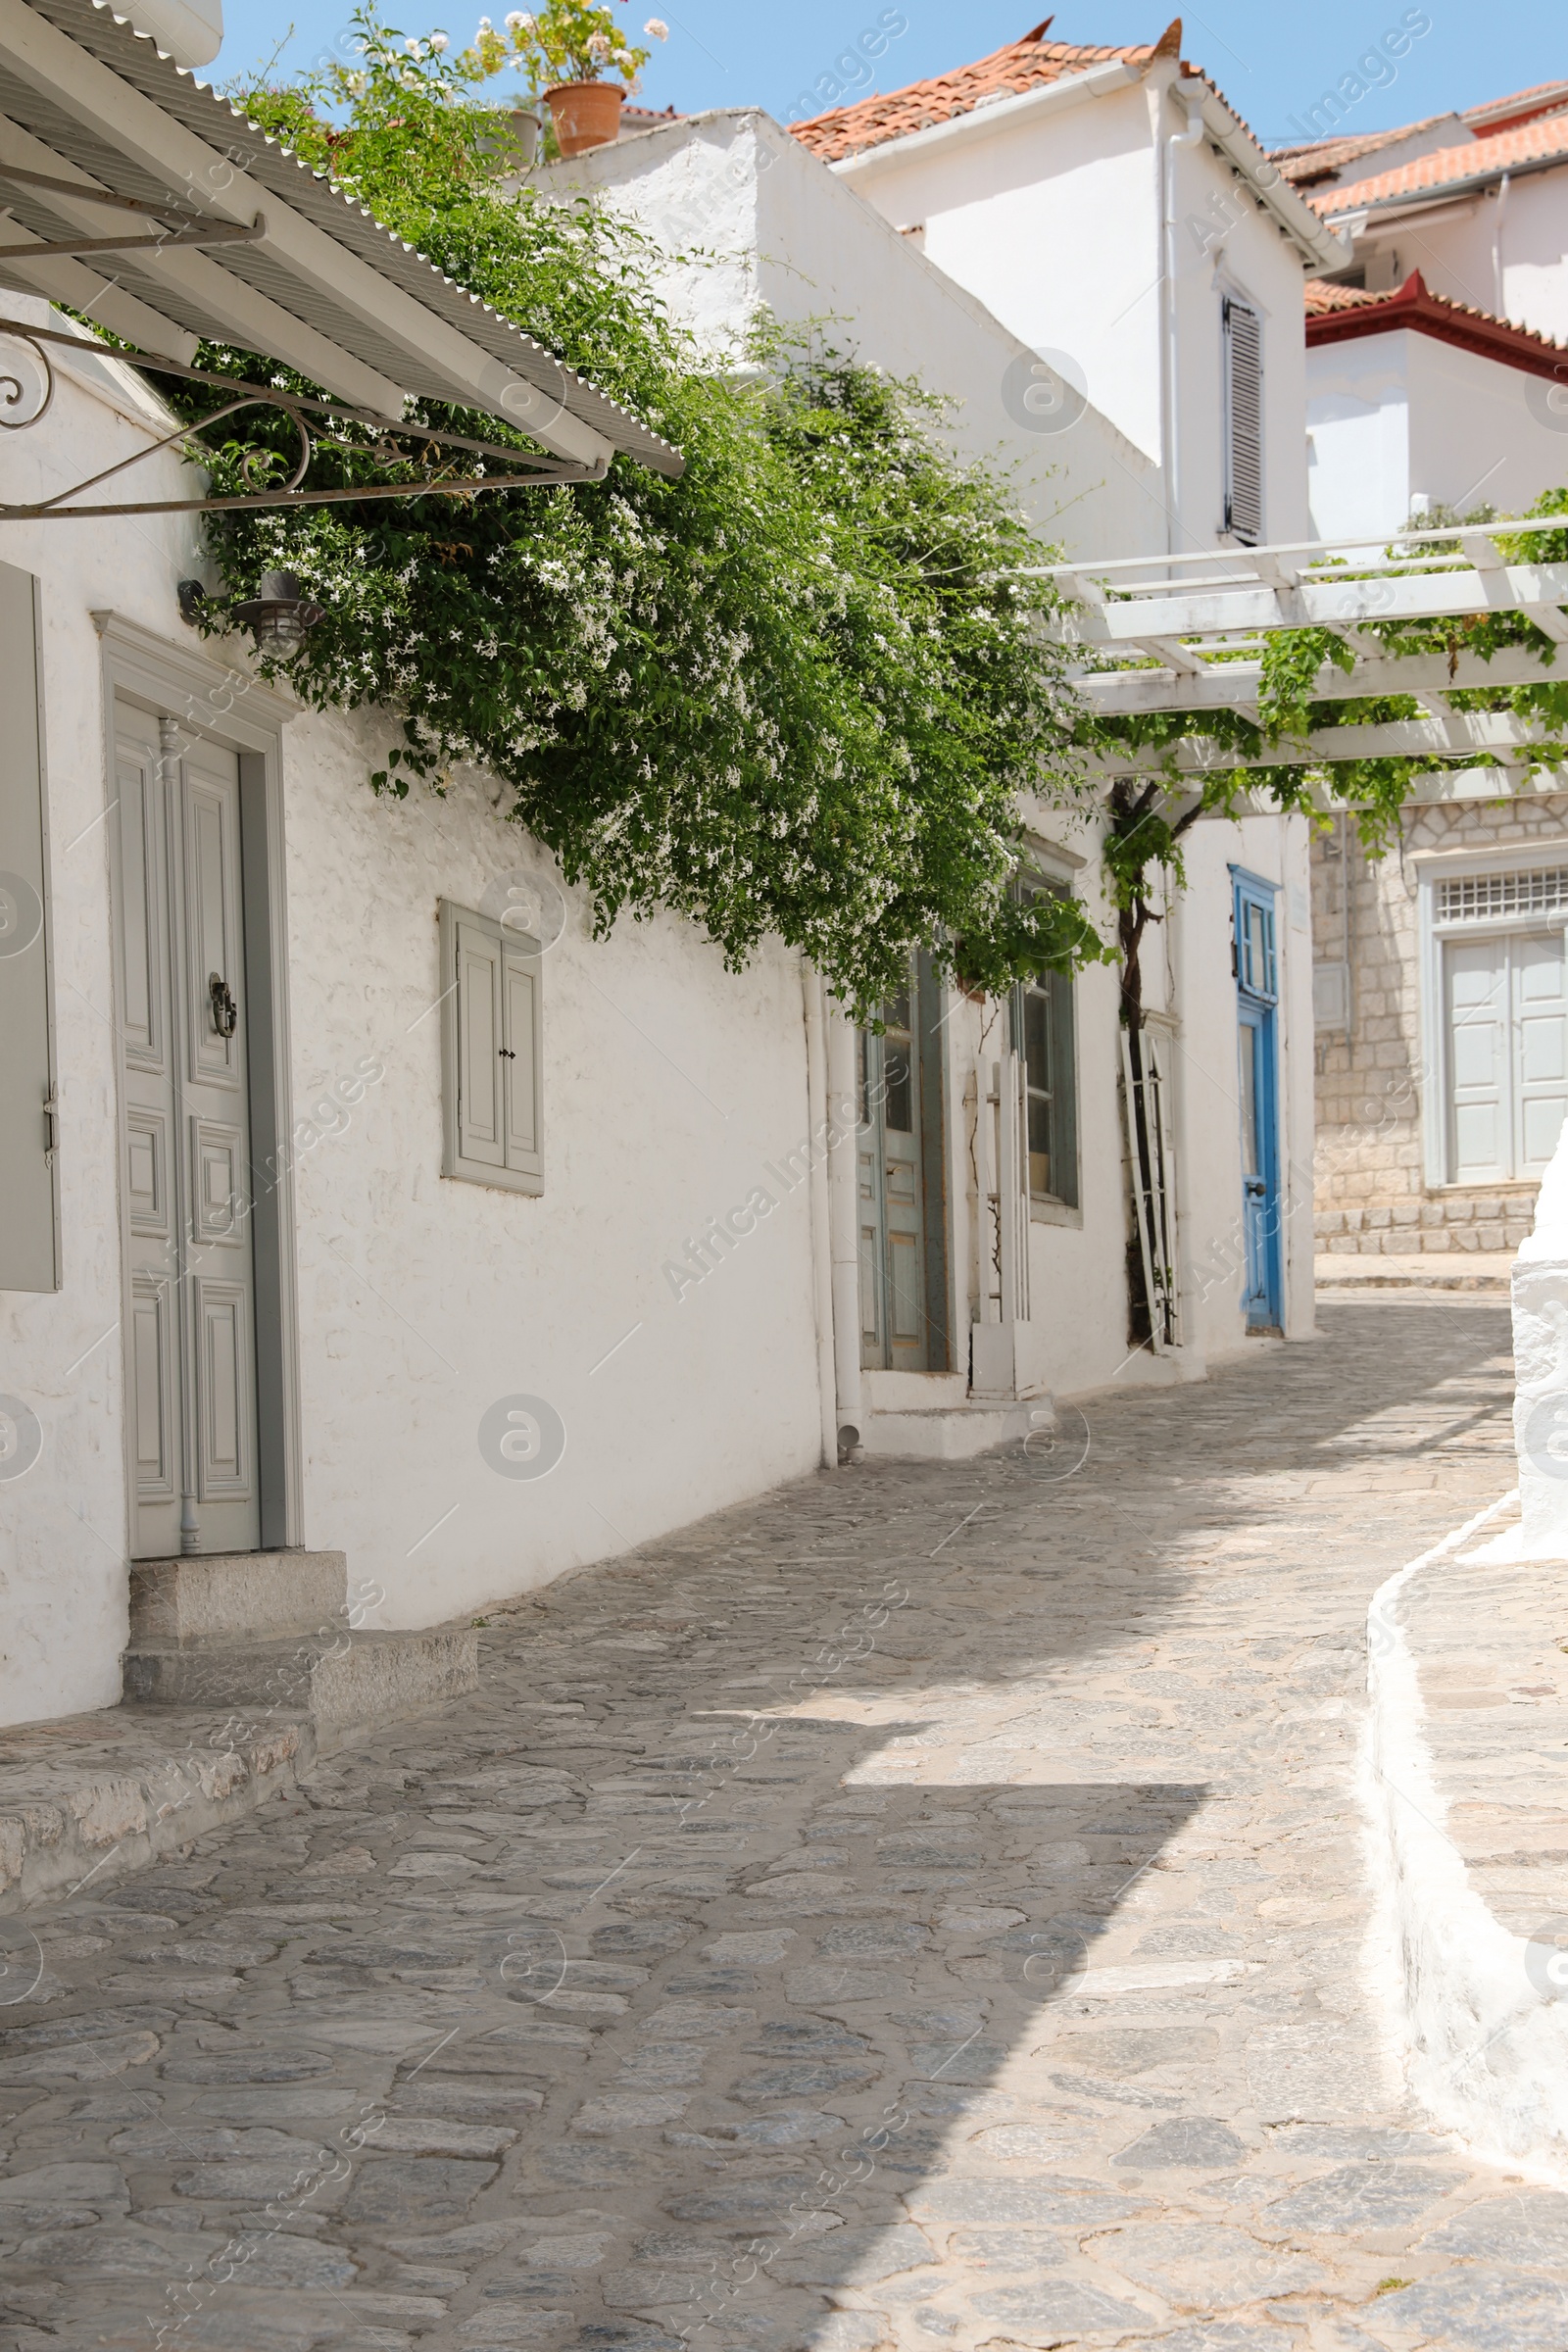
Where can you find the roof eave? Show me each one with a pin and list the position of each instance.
(1071, 89)
(1448, 191)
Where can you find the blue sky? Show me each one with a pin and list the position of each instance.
(1272, 63)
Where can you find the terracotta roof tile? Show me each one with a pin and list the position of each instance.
(1319, 159)
(1500, 114)
(1026, 64)
(1543, 140)
(1323, 297)
(1340, 314)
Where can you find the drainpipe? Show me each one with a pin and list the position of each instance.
(1190, 95)
(1497, 247)
(844, 1217)
(819, 1127)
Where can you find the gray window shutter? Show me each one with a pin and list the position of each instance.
(491, 1053)
(30, 1235)
(1244, 421)
(481, 1081)
(519, 1004)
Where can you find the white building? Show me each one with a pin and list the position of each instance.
(778, 231)
(1114, 212)
(281, 1281)
(1437, 379)
(1416, 402)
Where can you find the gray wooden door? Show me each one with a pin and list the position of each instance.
(191, 1312)
(894, 1326)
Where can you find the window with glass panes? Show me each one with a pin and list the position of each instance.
(1043, 1034)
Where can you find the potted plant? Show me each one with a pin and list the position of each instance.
(582, 64)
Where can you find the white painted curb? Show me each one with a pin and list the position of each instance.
(1484, 2051)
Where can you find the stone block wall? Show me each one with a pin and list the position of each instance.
(1371, 1193)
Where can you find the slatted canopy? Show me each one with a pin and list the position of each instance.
(1185, 634)
(236, 240)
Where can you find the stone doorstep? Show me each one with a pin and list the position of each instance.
(345, 1681)
(1485, 1270)
(248, 1596)
(94, 1797)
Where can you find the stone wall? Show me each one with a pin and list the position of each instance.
(1371, 1190)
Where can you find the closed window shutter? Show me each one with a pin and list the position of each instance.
(1243, 421)
(28, 1224)
(520, 998)
(481, 1084)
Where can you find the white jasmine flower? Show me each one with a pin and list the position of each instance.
(658, 27)
(412, 45)
(599, 44)
(439, 41)
(518, 22)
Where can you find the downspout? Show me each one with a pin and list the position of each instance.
(819, 1129)
(844, 1218)
(1191, 97)
(1497, 247)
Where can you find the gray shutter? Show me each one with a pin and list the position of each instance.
(520, 1009)
(1244, 421)
(30, 1238)
(481, 1112)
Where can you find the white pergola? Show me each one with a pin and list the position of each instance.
(1185, 634)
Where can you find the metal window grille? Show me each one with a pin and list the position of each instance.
(1470, 898)
(1243, 421)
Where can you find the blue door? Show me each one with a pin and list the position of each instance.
(1257, 1094)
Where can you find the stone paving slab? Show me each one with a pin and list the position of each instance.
(1484, 1271)
(924, 1907)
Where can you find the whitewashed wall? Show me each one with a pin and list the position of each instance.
(667, 1085)
(63, 1527)
(1054, 221)
(1398, 415)
(1509, 257)
(777, 229)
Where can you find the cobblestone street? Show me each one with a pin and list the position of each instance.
(926, 1907)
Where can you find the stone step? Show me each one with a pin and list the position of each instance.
(245, 1596)
(345, 1681)
(92, 1797)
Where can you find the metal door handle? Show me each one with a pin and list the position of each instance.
(1254, 1187)
(506, 1053)
(225, 1012)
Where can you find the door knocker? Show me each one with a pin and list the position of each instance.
(225, 1012)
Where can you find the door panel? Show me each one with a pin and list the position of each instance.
(187, 1159)
(1257, 1094)
(1541, 1050)
(1507, 1018)
(896, 1327)
(1477, 973)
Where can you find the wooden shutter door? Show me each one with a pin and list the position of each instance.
(519, 1009)
(481, 1086)
(1243, 421)
(29, 1230)
(1477, 973)
(1539, 1050)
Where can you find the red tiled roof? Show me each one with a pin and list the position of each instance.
(1545, 139)
(1344, 313)
(1026, 64)
(1323, 296)
(1321, 159)
(1520, 106)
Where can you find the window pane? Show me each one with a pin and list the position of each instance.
(898, 1094)
(896, 1012)
(1037, 1039)
(863, 1101)
(1251, 1039)
(1039, 1146)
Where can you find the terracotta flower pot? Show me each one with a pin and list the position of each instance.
(586, 114)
